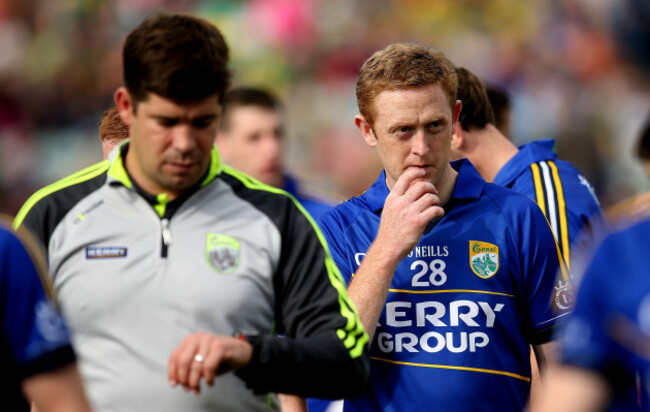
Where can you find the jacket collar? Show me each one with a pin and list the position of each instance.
(528, 154)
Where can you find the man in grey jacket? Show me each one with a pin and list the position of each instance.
(163, 250)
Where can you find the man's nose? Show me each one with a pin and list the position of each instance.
(420, 143)
(272, 146)
(183, 138)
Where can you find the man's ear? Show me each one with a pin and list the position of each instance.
(221, 140)
(366, 130)
(124, 105)
(457, 136)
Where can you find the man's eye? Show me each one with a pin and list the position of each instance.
(201, 123)
(164, 122)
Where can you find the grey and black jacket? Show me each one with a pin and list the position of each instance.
(135, 274)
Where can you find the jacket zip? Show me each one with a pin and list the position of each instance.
(166, 237)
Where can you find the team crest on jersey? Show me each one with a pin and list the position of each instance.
(222, 252)
(483, 258)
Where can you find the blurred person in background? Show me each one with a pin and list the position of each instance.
(500, 102)
(112, 130)
(564, 195)
(452, 276)
(606, 340)
(251, 137)
(174, 269)
(38, 362)
(639, 205)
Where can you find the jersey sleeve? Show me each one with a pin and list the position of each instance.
(323, 350)
(569, 203)
(32, 328)
(583, 342)
(546, 285)
(603, 331)
(334, 234)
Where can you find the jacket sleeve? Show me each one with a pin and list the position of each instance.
(321, 349)
(33, 330)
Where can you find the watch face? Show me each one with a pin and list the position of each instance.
(249, 336)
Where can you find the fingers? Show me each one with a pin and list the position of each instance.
(185, 359)
(406, 180)
(172, 365)
(428, 205)
(198, 364)
(187, 362)
(419, 189)
(212, 362)
(202, 355)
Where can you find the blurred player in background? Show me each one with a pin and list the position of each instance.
(453, 277)
(500, 102)
(606, 339)
(564, 195)
(637, 206)
(112, 130)
(175, 269)
(37, 360)
(251, 138)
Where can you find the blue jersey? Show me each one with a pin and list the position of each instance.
(34, 339)
(316, 208)
(609, 329)
(463, 306)
(564, 195)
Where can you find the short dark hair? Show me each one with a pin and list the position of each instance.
(477, 111)
(402, 66)
(179, 57)
(500, 102)
(643, 145)
(246, 96)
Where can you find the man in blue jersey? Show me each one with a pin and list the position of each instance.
(607, 337)
(453, 277)
(37, 360)
(564, 195)
(250, 138)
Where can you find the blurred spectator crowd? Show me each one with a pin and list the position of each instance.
(576, 70)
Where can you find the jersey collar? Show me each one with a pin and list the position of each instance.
(528, 154)
(469, 185)
(290, 185)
